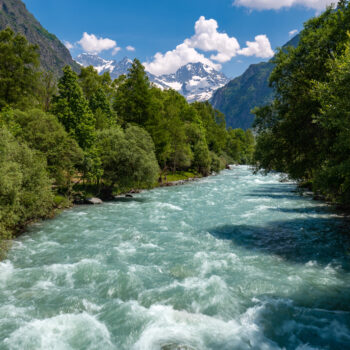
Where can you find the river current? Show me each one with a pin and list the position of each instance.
(234, 261)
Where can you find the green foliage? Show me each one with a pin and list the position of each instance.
(72, 109)
(98, 91)
(46, 90)
(214, 124)
(103, 136)
(304, 131)
(128, 157)
(202, 159)
(19, 77)
(217, 163)
(25, 189)
(333, 176)
(132, 100)
(43, 132)
(53, 54)
(240, 145)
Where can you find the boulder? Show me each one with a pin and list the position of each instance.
(93, 201)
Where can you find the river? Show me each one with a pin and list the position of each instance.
(234, 261)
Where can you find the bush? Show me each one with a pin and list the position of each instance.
(44, 133)
(25, 188)
(128, 157)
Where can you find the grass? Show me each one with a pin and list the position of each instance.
(181, 175)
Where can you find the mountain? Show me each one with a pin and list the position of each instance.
(242, 94)
(53, 54)
(196, 81)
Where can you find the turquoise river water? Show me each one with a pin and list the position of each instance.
(234, 261)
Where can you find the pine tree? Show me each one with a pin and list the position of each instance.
(72, 109)
(133, 98)
(19, 75)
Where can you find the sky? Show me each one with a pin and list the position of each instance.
(228, 35)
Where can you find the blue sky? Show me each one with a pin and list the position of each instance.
(161, 25)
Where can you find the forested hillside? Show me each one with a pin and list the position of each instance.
(53, 54)
(305, 131)
(242, 94)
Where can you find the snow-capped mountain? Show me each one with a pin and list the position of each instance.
(195, 81)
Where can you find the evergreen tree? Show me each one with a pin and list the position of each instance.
(72, 109)
(19, 75)
(133, 97)
(98, 91)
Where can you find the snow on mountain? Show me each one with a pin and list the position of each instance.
(195, 81)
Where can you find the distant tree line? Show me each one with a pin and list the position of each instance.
(305, 132)
(87, 129)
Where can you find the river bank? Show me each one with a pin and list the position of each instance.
(89, 197)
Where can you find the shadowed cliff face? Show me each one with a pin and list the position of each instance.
(53, 54)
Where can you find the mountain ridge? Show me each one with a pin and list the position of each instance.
(53, 54)
(196, 81)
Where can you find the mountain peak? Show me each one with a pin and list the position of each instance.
(196, 81)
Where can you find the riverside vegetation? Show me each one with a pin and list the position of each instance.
(305, 132)
(88, 133)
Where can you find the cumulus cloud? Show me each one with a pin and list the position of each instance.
(92, 44)
(261, 47)
(207, 38)
(293, 32)
(130, 48)
(278, 4)
(68, 45)
(171, 61)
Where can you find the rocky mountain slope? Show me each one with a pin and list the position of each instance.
(196, 81)
(53, 54)
(242, 94)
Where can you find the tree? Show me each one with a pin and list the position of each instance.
(128, 158)
(333, 176)
(72, 110)
(42, 132)
(98, 91)
(214, 124)
(47, 89)
(25, 188)
(19, 75)
(290, 140)
(132, 100)
(202, 159)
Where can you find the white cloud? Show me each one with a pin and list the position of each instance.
(68, 45)
(92, 44)
(130, 48)
(293, 32)
(171, 61)
(261, 47)
(116, 50)
(278, 4)
(207, 38)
